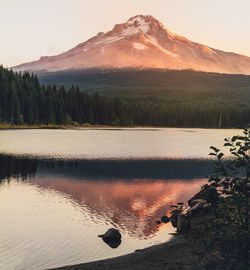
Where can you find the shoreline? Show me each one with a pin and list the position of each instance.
(89, 126)
(178, 253)
(184, 251)
(134, 260)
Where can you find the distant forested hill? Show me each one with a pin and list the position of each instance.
(155, 98)
(177, 98)
(169, 84)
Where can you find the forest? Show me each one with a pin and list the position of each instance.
(169, 99)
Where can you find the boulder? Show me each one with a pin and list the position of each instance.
(198, 205)
(165, 219)
(183, 223)
(111, 234)
(112, 243)
(174, 217)
(112, 237)
(207, 193)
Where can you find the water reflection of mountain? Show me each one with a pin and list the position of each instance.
(130, 194)
(134, 206)
(105, 169)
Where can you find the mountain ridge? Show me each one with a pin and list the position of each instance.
(142, 42)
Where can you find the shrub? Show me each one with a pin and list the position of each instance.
(228, 233)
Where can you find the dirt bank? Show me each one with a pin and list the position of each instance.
(182, 253)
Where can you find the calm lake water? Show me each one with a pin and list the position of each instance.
(59, 189)
(130, 143)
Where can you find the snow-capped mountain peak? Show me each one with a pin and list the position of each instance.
(138, 24)
(142, 42)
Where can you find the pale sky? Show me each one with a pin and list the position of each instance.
(33, 28)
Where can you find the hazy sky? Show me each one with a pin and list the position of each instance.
(33, 28)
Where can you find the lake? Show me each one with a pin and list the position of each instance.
(130, 143)
(59, 189)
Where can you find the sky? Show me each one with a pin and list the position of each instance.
(34, 28)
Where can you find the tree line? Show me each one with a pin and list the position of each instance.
(23, 100)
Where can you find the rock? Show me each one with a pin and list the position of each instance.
(183, 223)
(208, 193)
(165, 219)
(174, 217)
(111, 234)
(197, 207)
(199, 201)
(112, 237)
(112, 243)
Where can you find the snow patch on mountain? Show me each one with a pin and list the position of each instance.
(155, 42)
(132, 30)
(109, 40)
(140, 46)
(209, 50)
(135, 26)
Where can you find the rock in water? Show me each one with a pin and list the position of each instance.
(112, 243)
(165, 219)
(111, 234)
(112, 237)
(174, 217)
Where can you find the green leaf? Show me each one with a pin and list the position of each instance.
(215, 149)
(234, 153)
(241, 138)
(228, 144)
(240, 152)
(245, 148)
(234, 138)
(220, 155)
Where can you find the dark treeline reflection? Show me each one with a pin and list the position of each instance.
(26, 168)
(11, 166)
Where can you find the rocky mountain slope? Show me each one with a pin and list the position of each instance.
(141, 42)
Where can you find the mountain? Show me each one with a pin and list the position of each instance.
(141, 42)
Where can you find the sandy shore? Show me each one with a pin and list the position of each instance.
(164, 256)
(179, 254)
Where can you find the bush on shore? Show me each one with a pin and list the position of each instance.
(228, 232)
